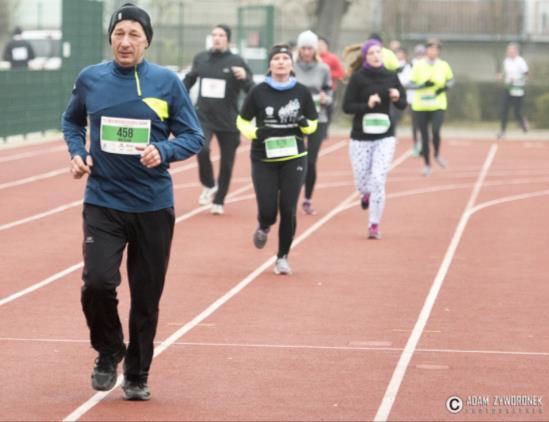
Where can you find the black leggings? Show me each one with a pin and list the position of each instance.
(436, 118)
(277, 186)
(415, 128)
(228, 143)
(507, 102)
(314, 141)
(148, 236)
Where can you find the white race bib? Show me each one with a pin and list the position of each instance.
(375, 123)
(316, 100)
(516, 91)
(212, 88)
(124, 136)
(281, 146)
(20, 53)
(429, 100)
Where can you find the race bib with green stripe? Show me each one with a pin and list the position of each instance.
(375, 123)
(123, 136)
(282, 146)
(516, 91)
(429, 100)
(316, 100)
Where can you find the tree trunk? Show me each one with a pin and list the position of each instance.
(330, 14)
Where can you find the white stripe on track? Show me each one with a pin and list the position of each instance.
(508, 199)
(36, 178)
(297, 346)
(65, 170)
(75, 267)
(62, 170)
(29, 154)
(65, 207)
(98, 397)
(400, 370)
(41, 284)
(35, 217)
(183, 217)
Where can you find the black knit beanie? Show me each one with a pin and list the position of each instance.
(226, 29)
(130, 11)
(279, 48)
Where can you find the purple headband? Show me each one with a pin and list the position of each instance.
(365, 47)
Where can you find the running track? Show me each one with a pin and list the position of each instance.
(451, 302)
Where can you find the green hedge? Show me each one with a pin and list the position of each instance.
(542, 111)
(481, 101)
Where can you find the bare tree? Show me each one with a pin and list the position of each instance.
(7, 12)
(329, 15)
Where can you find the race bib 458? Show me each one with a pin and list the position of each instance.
(122, 136)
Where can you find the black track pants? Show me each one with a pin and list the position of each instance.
(228, 143)
(148, 237)
(507, 102)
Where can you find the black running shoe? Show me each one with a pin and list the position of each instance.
(104, 373)
(260, 237)
(138, 391)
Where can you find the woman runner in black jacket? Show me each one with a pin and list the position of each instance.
(284, 112)
(371, 90)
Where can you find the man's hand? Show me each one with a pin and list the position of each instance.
(394, 94)
(239, 72)
(374, 100)
(78, 168)
(322, 97)
(150, 157)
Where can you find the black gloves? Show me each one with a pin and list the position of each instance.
(428, 84)
(302, 121)
(441, 90)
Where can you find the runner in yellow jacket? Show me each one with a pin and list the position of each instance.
(431, 77)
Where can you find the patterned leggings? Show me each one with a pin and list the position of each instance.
(371, 161)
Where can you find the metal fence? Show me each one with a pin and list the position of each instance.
(33, 100)
(474, 33)
(456, 20)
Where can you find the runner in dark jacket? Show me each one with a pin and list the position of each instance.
(223, 75)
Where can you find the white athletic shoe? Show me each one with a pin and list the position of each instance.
(217, 209)
(426, 170)
(441, 162)
(282, 266)
(207, 195)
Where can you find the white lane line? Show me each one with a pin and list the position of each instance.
(508, 199)
(44, 340)
(359, 348)
(29, 154)
(42, 176)
(198, 210)
(318, 186)
(294, 346)
(41, 284)
(79, 265)
(402, 365)
(98, 397)
(363, 348)
(65, 207)
(183, 217)
(35, 217)
(65, 170)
